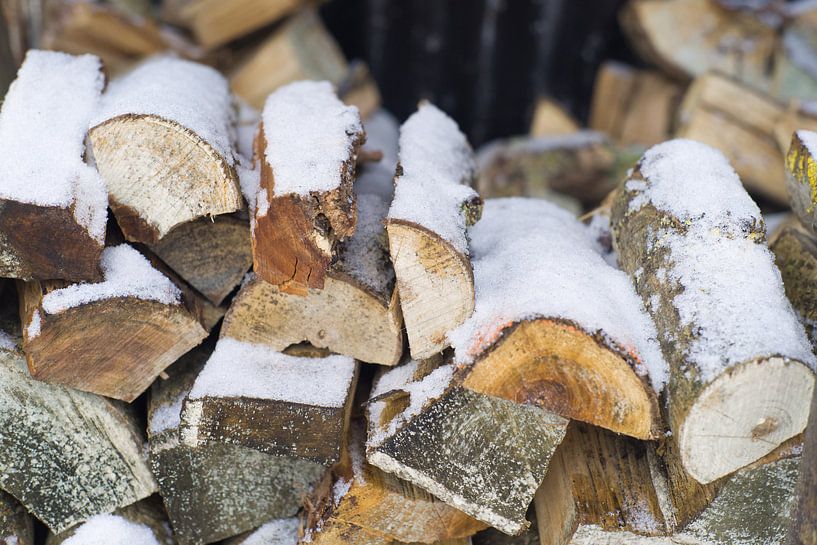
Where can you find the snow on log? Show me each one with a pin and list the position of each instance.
(217, 490)
(555, 325)
(282, 531)
(53, 206)
(478, 453)
(143, 523)
(307, 147)
(16, 525)
(253, 396)
(432, 206)
(113, 337)
(66, 455)
(163, 142)
(740, 363)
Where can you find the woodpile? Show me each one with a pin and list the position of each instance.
(305, 323)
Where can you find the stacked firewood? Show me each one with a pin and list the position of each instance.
(283, 318)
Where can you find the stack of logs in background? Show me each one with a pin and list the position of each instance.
(242, 303)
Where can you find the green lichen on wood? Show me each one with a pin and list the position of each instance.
(801, 179)
(795, 253)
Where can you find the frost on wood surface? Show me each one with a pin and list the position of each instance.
(193, 95)
(43, 123)
(309, 134)
(533, 259)
(112, 530)
(275, 532)
(239, 369)
(126, 273)
(731, 292)
(436, 170)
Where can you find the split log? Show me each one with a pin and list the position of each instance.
(357, 495)
(633, 106)
(584, 166)
(478, 453)
(740, 363)
(794, 74)
(357, 311)
(111, 338)
(16, 525)
(214, 22)
(741, 123)
(53, 206)
(801, 177)
(432, 206)
(252, 396)
(550, 119)
(581, 346)
(66, 455)
(798, 116)
(803, 528)
(218, 490)
(162, 141)
(305, 204)
(212, 255)
(142, 523)
(283, 531)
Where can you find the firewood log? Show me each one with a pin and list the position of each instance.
(16, 525)
(584, 166)
(803, 528)
(212, 255)
(305, 205)
(794, 74)
(66, 455)
(282, 531)
(215, 22)
(218, 490)
(478, 453)
(252, 396)
(801, 177)
(550, 119)
(633, 106)
(53, 206)
(143, 523)
(111, 338)
(741, 123)
(578, 345)
(798, 116)
(740, 363)
(162, 142)
(432, 206)
(356, 494)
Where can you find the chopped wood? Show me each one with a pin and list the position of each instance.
(740, 363)
(551, 119)
(215, 23)
(212, 255)
(803, 528)
(111, 338)
(478, 453)
(252, 396)
(16, 525)
(432, 206)
(801, 177)
(305, 204)
(142, 523)
(162, 142)
(282, 531)
(633, 106)
(798, 116)
(66, 455)
(53, 206)
(218, 490)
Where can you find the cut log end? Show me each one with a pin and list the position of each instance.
(743, 415)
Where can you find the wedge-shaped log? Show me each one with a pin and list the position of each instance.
(143, 523)
(218, 490)
(432, 206)
(162, 142)
(212, 255)
(307, 148)
(253, 396)
(357, 494)
(113, 337)
(16, 525)
(578, 345)
(740, 362)
(357, 311)
(551, 119)
(215, 23)
(53, 206)
(741, 123)
(66, 455)
(801, 177)
(478, 453)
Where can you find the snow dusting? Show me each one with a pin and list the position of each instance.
(167, 416)
(43, 124)
(111, 530)
(33, 329)
(438, 167)
(310, 135)
(193, 95)
(126, 273)
(239, 369)
(275, 532)
(533, 259)
(809, 139)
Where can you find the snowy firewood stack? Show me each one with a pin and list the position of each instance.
(246, 306)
